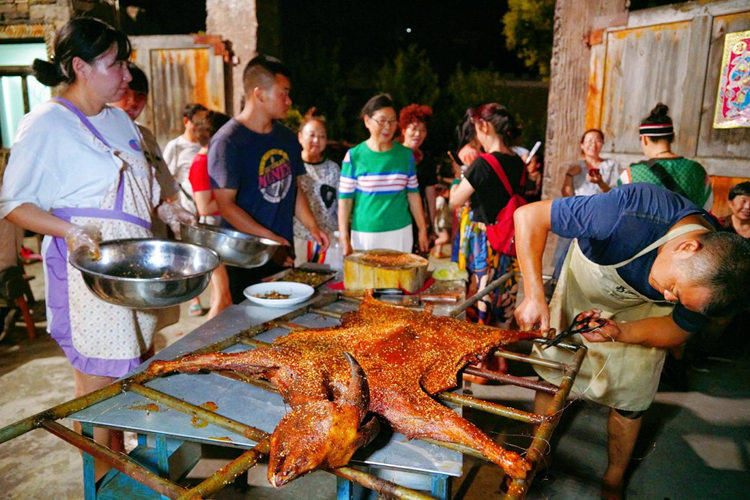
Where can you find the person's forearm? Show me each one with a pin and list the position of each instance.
(205, 204)
(431, 197)
(661, 331)
(461, 194)
(242, 221)
(532, 223)
(567, 187)
(33, 218)
(415, 206)
(345, 210)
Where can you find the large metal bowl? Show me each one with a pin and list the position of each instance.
(235, 248)
(146, 273)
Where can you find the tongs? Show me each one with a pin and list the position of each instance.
(580, 324)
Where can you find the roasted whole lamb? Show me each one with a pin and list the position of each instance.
(381, 359)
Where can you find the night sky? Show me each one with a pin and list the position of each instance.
(450, 32)
(368, 33)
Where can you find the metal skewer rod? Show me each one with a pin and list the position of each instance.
(380, 485)
(459, 308)
(228, 473)
(249, 432)
(494, 408)
(543, 433)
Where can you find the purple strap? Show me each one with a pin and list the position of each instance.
(83, 119)
(72, 107)
(68, 212)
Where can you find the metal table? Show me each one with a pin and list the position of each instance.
(174, 415)
(416, 464)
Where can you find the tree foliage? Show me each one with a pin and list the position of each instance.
(317, 80)
(409, 78)
(528, 29)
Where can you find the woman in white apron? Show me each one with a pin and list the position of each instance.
(76, 174)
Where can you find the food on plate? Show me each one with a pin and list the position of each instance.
(381, 359)
(307, 277)
(273, 295)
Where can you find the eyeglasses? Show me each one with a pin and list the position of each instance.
(315, 136)
(383, 122)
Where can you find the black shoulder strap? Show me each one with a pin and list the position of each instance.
(661, 173)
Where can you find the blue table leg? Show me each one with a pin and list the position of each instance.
(440, 487)
(89, 480)
(162, 455)
(343, 489)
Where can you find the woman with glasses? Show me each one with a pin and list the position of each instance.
(592, 174)
(378, 188)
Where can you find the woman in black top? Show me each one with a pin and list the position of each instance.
(495, 129)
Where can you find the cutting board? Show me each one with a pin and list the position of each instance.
(384, 269)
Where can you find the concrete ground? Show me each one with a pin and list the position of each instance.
(694, 444)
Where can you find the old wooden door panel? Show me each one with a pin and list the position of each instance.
(647, 65)
(180, 76)
(180, 70)
(728, 148)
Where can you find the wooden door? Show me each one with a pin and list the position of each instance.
(673, 56)
(180, 69)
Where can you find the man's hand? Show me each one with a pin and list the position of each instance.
(608, 332)
(531, 313)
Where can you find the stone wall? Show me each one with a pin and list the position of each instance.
(24, 12)
(236, 21)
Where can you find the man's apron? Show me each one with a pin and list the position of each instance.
(99, 338)
(615, 374)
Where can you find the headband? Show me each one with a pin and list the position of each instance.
(656, 129)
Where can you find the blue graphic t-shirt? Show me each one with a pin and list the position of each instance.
(262, 168)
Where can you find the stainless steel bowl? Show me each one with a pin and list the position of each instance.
(235, 248)
(146, 273)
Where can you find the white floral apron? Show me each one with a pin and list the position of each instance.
(97, 337)
(615, 374)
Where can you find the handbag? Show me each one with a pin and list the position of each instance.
(501, 234)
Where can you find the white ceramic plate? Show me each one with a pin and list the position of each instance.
(298, 292)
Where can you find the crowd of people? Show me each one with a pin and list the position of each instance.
(253, 174)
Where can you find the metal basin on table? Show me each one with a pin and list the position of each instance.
(234, 248)
(146, 273)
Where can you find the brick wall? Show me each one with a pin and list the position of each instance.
(33, 11)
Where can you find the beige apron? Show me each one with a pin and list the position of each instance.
(615, 374)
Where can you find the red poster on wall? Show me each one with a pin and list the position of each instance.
(733, 96)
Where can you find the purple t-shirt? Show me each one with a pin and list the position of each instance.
(262, 168)
(615, 226)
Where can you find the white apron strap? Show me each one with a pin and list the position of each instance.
(674, 233)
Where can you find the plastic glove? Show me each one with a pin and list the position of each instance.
(172, 214)
(84, 236)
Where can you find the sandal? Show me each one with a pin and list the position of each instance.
(195, 309)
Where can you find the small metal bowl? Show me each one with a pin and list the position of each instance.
(234, 248)
(146, 273)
